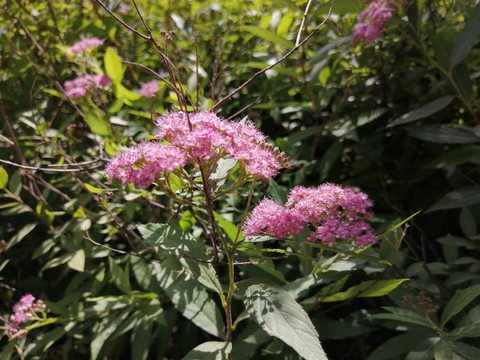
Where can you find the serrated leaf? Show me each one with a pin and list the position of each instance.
(3, 178)
(268, 36)
(276, 312)
(178, 242)
(458, 302)
(467, 38)
(77, 262)
(425, 111)
(370, 288)
(113, 65)
(210, 350)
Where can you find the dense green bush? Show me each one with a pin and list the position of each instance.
(397, 118)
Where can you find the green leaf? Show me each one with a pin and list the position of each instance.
(191, 300)
(277, 192)
(467, 38)
(425, 111)
(229, 228)
(467, 223)
(370, 288)
(15, 239)
(398, 345)
(94, 189)
(402, 315)
(469, 325)
(77, 262)
(113, 65)
(457, 199)
(3, 178)
(468, 352)
(443, 350)
(444, 134)
(424, 349)
(276, 312)
(210, 350)
(456, 304)
(268, 36)
(178, 242)
(248, 341)
(104, 331)
(98, 124)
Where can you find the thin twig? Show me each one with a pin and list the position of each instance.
(257, 74)
(299, 35)
(26, 167)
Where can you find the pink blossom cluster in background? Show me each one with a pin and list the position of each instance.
(78, 87)
(122, 10)
(194, 138)
(149, 89)
(334, 212)
(83, 45)
(372, 20)
(24, 310)
(141, 164)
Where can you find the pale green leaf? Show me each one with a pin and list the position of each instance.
(370, 288)
(77, 262)
(276, 312)
(113, 65)
(230, 229)
(3, 178)
(211, 350)
(268, 36)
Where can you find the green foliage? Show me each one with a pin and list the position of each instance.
(126, 271)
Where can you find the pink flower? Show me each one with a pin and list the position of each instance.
(122, 10)
(78, 87)
(84, 45)
(211, 136)
(335, 213)
(23, 311)
(372, 20)
(149, 89)
(141, 164)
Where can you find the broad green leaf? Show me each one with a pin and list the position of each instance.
(402, 315)
(127, 96)
(268, 35)
(398, 345)
(121, 277)
(457, 199)
(24, 231)
(467, 38)
(142, 332)
(285, 24)
(456, 304)
(113, 65)
(248, 341)
(77, 262)
(211, 350)
(370, 288)
(98, 124)
(443, 350)
(467, 223)
(277, 192)
(229, 228)
(300, 286)
(276, 312)
(224, 166)
(425, 111)
(191, 300)
(180, 243)
(444, 134)
(466, 351)
(3, 178)
(104, 331)
(174, 182)
(469, 325)
(424, 349)
(340, 329)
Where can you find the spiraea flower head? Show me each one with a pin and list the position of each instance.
(83, 45)
(149, 89)
(78, 87)
(203, 135)
(26, 309)
(372, 20)
(141, 164)
(334, 213)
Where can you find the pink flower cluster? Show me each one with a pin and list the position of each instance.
(194, 138)
(83, 45)
(372, 20)
(78, 87)
(204, 135)
(149, 89)
(142, 163)
(335, 213)
(24, 310)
